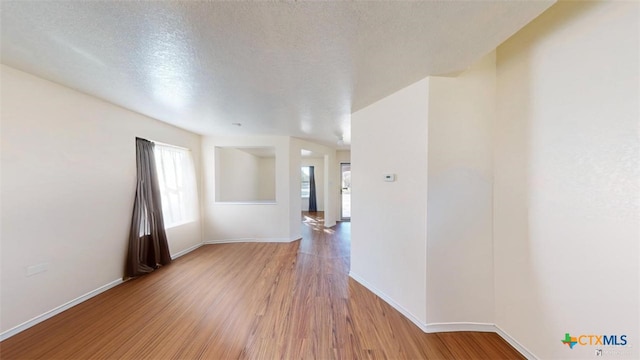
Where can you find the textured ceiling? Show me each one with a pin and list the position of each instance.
(295, 68)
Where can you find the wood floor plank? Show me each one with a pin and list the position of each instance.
(248, 301)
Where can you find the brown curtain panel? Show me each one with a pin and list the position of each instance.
(148, 247)
(313, 203)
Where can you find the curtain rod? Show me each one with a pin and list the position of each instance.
(169, 145)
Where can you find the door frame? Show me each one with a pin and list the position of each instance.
(342, 217)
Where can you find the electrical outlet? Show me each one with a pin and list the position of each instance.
(36, 269)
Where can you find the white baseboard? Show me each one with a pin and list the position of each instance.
(389, 301)
(330, 224)
(447, 327)
(513, 342)
(248, 240)
(460, 326)
(185, 251)
(51, 313)
(481, 327)
(427, 328)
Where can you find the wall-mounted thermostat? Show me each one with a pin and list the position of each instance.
(390, 177)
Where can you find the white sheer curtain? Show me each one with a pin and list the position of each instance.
(176, 176)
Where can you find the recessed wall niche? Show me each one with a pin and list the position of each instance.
(245, 174)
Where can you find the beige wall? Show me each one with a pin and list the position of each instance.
(267, 178)
(68, 183)
(532, 188)
(389, 219)
(459, 200)
(424, 242)
(279, 221)
(228, 222)
(567, 170)
(565, 196)
(343, 156)
(244, 177)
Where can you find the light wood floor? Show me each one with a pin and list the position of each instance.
(248, 301)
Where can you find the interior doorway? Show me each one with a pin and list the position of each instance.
(345, 191)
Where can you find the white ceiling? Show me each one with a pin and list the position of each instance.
(294, 68)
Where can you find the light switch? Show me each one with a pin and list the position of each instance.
(390, 177)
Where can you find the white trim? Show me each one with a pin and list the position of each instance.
(228, 241)
(251, 240)
(447, 327)
(170, 145)
(180, 223)
(427, 328)
(481, 327)
(186, 251)
(53, 312)
(460, 326)
(389, 301)
(516, 345)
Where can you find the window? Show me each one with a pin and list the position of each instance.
(305, 182)
(176, 177)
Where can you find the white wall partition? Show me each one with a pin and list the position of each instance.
(249, 220)
(459, 205)
(423, 242)
(389, 219)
